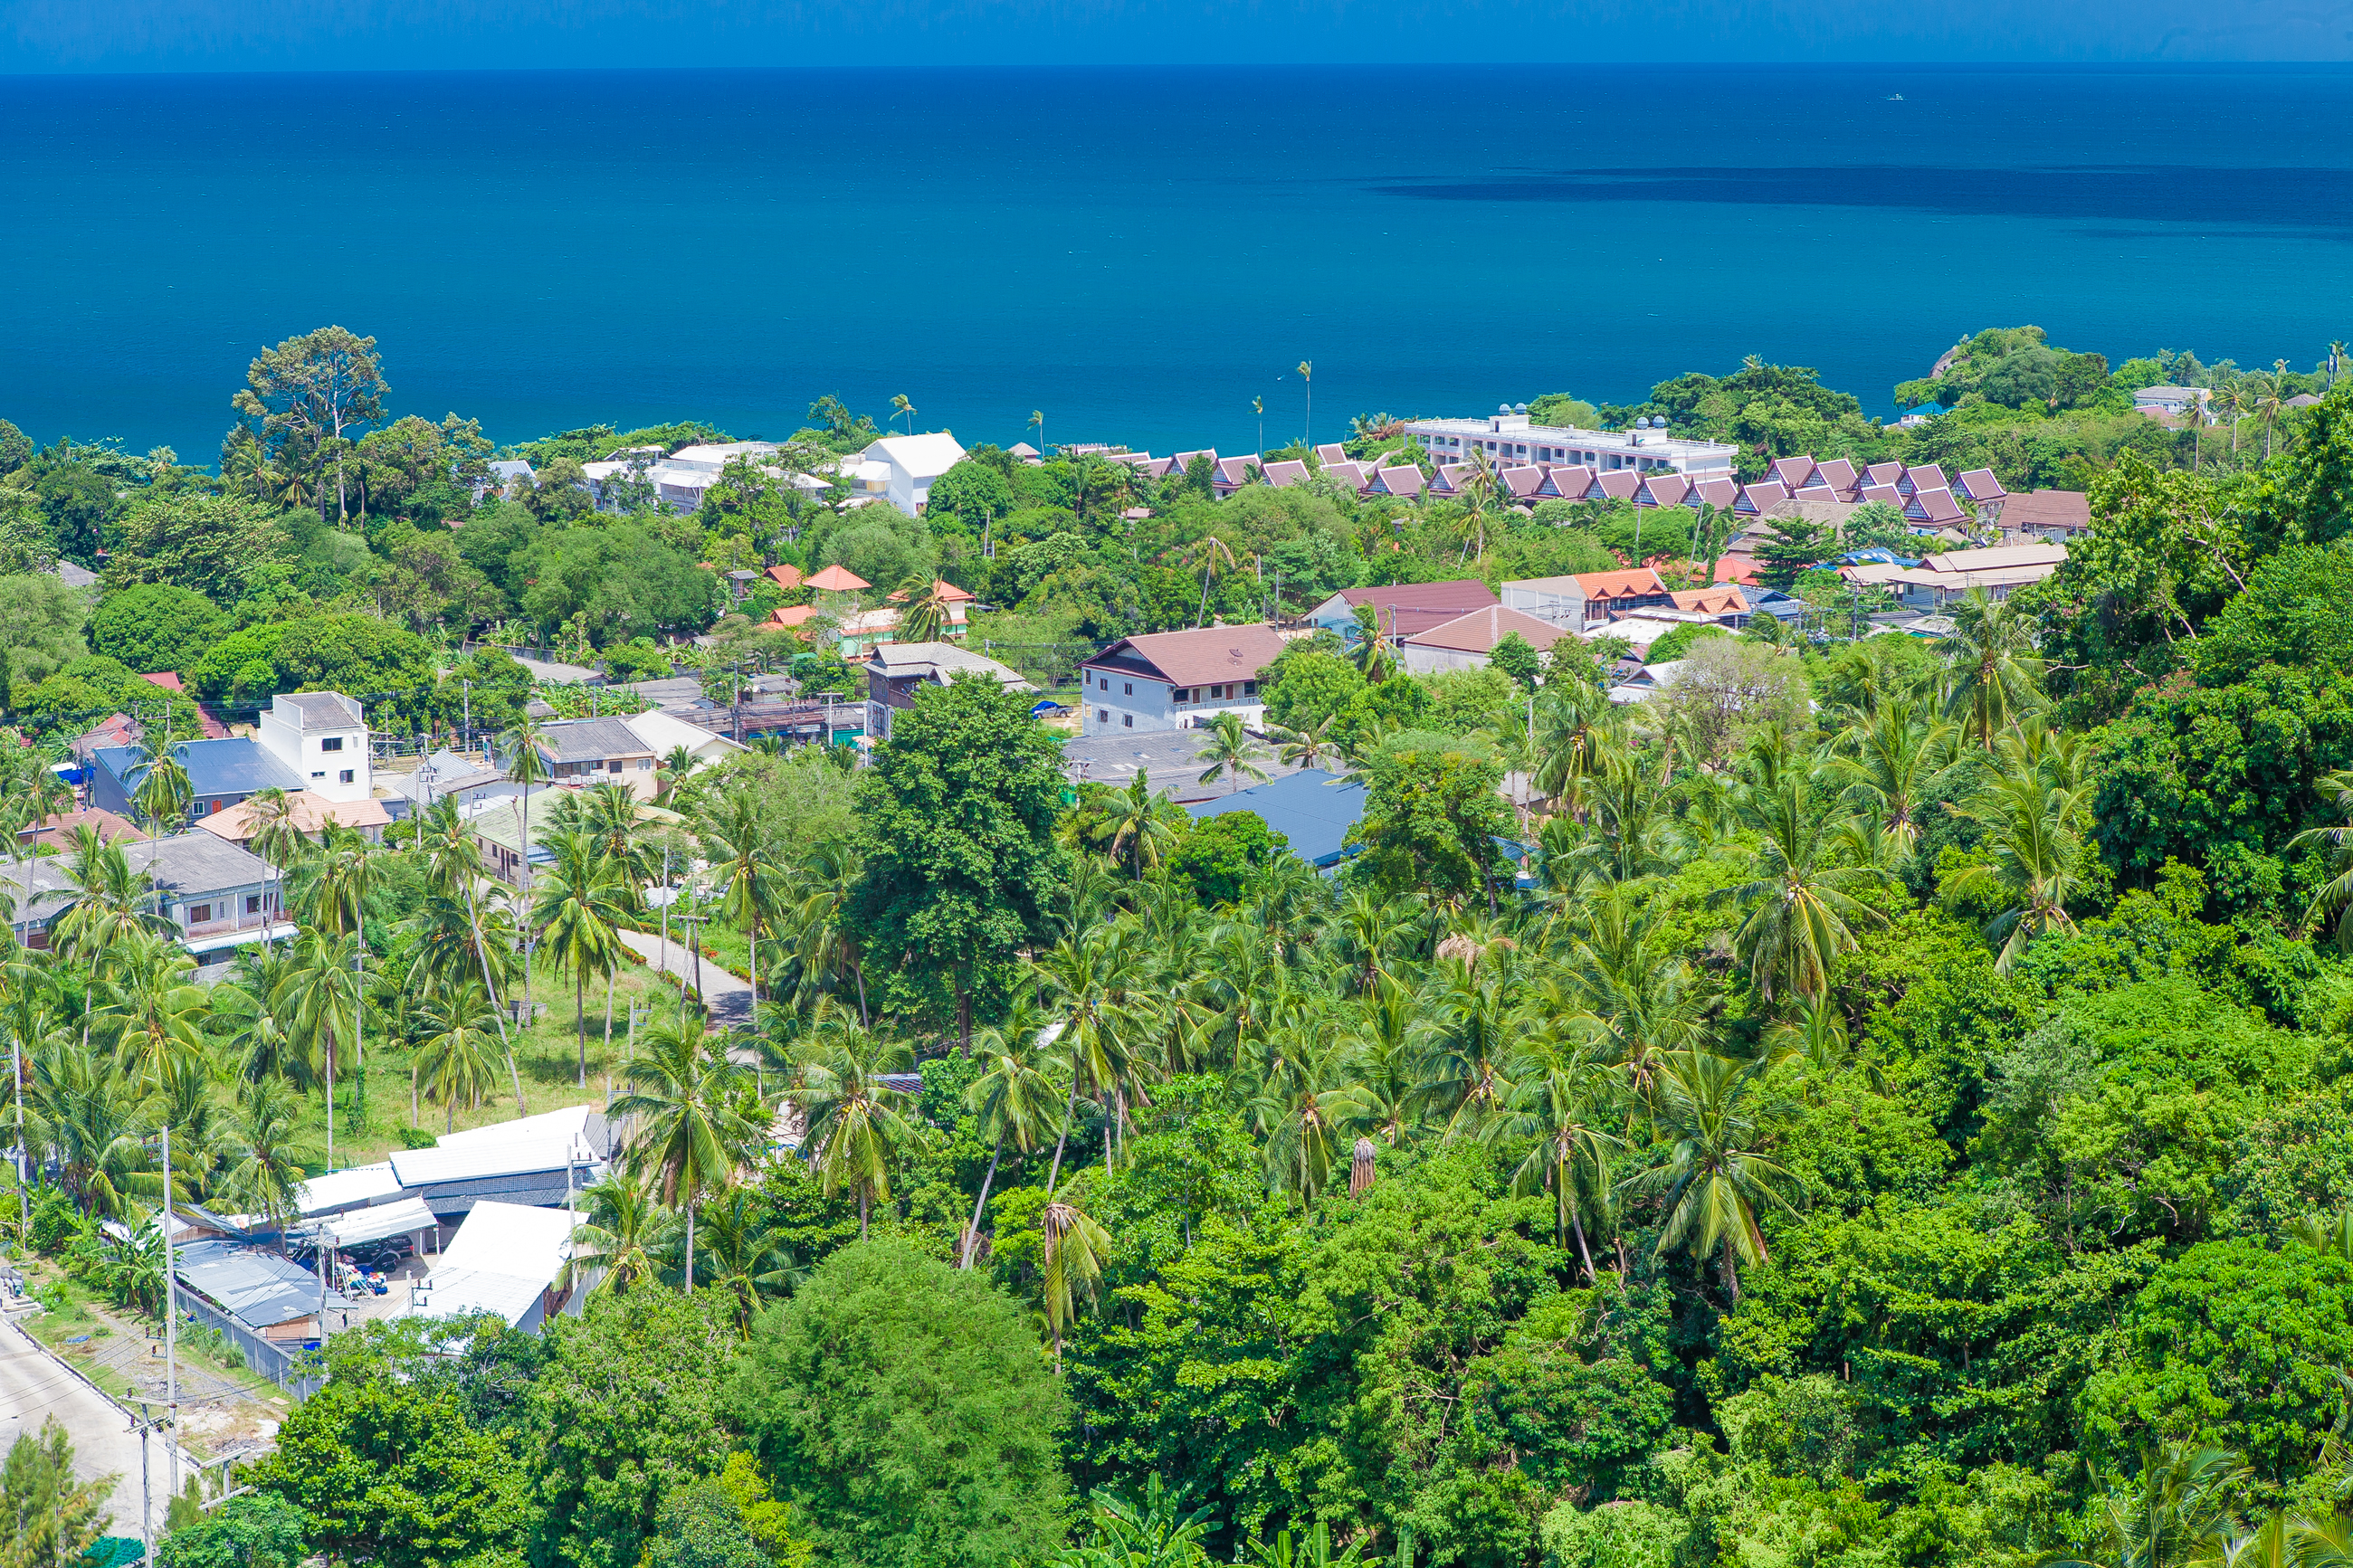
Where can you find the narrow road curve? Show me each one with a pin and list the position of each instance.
(726, 997)
(34, 1386)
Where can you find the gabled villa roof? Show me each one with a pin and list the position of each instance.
(1201, 657)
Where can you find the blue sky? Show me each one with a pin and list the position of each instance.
(52, 36)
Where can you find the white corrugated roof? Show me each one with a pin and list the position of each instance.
(572, 1122)
(353, 1226)
(461, 1292)
(473, 1162)
(513, 1239)
(925, 456)
(359, 1186)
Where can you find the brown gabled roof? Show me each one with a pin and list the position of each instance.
(1405, 480)
(1724, 599)
(1839, 474)
(1522, 480)
(1481, 630)
(1887, 493)
(1200, 656)
(1663, 489)
(2068, 510)
(1283, 474)
(1762, 496)
(1793, 472)
(1714, 492)
(1155, 468)
(1938, 506)
(1183, 461)
(1408, 608)
(1617, 484)
(1927, 477)
(1978, 484)
(1448, 481)
(1235, 471)
(1570, 480)
(1349, 474)
(1331, 452)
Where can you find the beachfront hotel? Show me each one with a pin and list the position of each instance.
(1510, 441)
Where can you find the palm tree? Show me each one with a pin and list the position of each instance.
(454, 1056)
(1992, 665)
(1896, 752)
(1815, 1044)
(899, 405)
(579, 907)
(1208, 548)
(1075, 1249)
(111, 901)
(1307, 745)
(332, 885)
(1307, 375)
(1230, 751)
(1642, 995)
(1142, 824)
(1037, 423)
(1800, 913)
(927, 614)
(1576, 725)
(2336, 351)
(821, 945)
(161, 793)
(2335, 896)
(2036, 861)
(618, 1236)
(268, 1175)
(453, 866)
(853, 1117)
(1721, 1115)
(693, 1132)
(527, 764)
(2173, 1512)
(1474, 1020)
(320, 993)
(672, 773)
(1559, 1092)
(1375, 648)
(1013, 1098)
(155, 1017)
(735, 838)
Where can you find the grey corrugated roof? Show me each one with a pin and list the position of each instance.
(237, 766)
(589, 741)
(191, 865)
(1311, 808)
(259, 1288)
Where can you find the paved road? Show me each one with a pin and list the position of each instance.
(33, 1387)
(727, 998)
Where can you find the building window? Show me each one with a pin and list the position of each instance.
(1103, 715)
(1249, 688)
(1128, 719)
(345, 776)
(331, 744)
(253, 903)
(320, 774)
(199, 913)
(197, 809)
(614, 766)
(1127, 689)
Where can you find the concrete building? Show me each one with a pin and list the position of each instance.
(1509, 439)
(581, 752)
(1176, 680)
(2171, 401)
(907, 466)
(215, 896)
(322, 736)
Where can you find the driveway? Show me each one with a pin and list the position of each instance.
(727, 998)
(34, 1386)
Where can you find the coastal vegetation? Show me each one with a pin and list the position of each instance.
(1884, 1101)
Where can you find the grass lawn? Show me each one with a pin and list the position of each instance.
(547, 1054)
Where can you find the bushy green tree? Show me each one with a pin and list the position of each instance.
(905, 1408)
(156, 626)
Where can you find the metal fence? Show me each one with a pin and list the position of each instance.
(288, 1370)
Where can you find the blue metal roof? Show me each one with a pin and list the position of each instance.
(1311, 808)
(236, 765)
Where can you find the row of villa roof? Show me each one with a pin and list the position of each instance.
(1923, 494)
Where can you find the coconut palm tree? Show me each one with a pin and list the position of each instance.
(1576, 726)
(161, 790)
(1562, 1090)
(1142, 824)
(1894, 752)
(2175, 1513)
(2036, 861)
(1991, 666)
(453, 1057)
(267, 1174)
(1799, 906)
(1075, 1249)
(1644, 998)
(153, 1016)
(618, 1236)
(1037, 423)
(1208, 550)
(1307, 377)
(527, 764)
(454, 867)
(318, 995)
(1013, 1098)
(736, 840)
(1374, 651)
(1230, 751)
(1307, 745)
(899, 405)
(579, 906)
(821, 948)
(1720, 1115)
(2333, 899)
(2271, 402)
(1474, 1023)
(855, 1124)
(111, 902)
(926, 612)
(693, 1130)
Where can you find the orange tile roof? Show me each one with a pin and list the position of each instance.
(786, 576)
(838, 580)
(1631, 584)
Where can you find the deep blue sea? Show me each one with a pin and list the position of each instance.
(1140, 252)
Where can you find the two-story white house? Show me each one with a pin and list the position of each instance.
(1176, 680)
(910, 464)
(321, 736)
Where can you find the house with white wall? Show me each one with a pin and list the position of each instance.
(1176, 680)
(910, 464)
(321, 736)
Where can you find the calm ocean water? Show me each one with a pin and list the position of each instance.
(1140, 252)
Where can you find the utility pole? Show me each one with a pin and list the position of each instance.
(466, 699)
(171, 1326)
(16, 1076)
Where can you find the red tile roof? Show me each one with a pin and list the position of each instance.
(165, 679)
(1724, 600)
(838, 580)
(1632, 583)
(1202, 656)
(1735, 569)
(786, 576)
(2068, 510)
